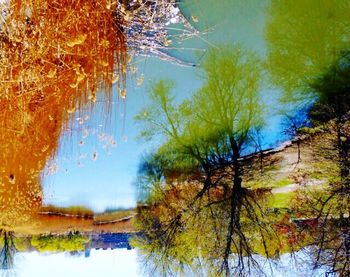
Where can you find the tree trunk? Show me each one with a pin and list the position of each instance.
(235, 206)
(235, 211)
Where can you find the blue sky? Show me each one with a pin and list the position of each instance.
(107, 180)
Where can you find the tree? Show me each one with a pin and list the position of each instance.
(303, 39)
(293, 127)
(228, 104)
(8, 249)
(210, 131)
(324, 211)
(177, 234)
(48, 69)
(324, 228)
(215, 125)
(257, 141)
(308, 56)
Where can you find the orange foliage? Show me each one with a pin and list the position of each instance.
(55, 56)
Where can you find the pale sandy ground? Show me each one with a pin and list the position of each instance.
(288, 168)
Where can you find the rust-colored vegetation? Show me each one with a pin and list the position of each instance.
(54, 58)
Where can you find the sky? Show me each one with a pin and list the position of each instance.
(107, 181)
(99, 174)
(122, 262)
(118, 262)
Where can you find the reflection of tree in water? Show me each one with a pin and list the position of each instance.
(180, 233)
(303, 39)
(326, 210)
(210, 217)
(202, 213)
(332, 208)
(308, 54)
(324, 230)
(333, 246)
(7, 251)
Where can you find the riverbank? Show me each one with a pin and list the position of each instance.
(65, 223)
(277, 169)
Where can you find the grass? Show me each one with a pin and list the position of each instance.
(80, 211)
(266, 182)
(280, 200)
(324, 170)
(282, 183)
(113, 216)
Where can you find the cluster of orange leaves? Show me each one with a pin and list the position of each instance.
(55, 55)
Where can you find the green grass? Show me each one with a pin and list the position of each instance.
(265, 182)
(282, 183)
(324, 170)
(280, 200)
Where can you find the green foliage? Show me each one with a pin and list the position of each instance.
(202, 131)
(227, 107)
(304, 38)
(229, 101)
(51, 243)
(201, 230)
(161, 117)
(333, 88)
(22, 243)
(205, 134)
(325, 170)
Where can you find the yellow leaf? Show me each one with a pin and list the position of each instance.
(127, 16)
(104, 63)
(51, 73)
(115, 78)
(80, 39)
(80, 77)
(44, 149)
(194, 18)
(140, 80)
(70, 111)
(92, 97)
(133, 69)
(122, 93)
(104, 43)
(167, 42)
(73, 85)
